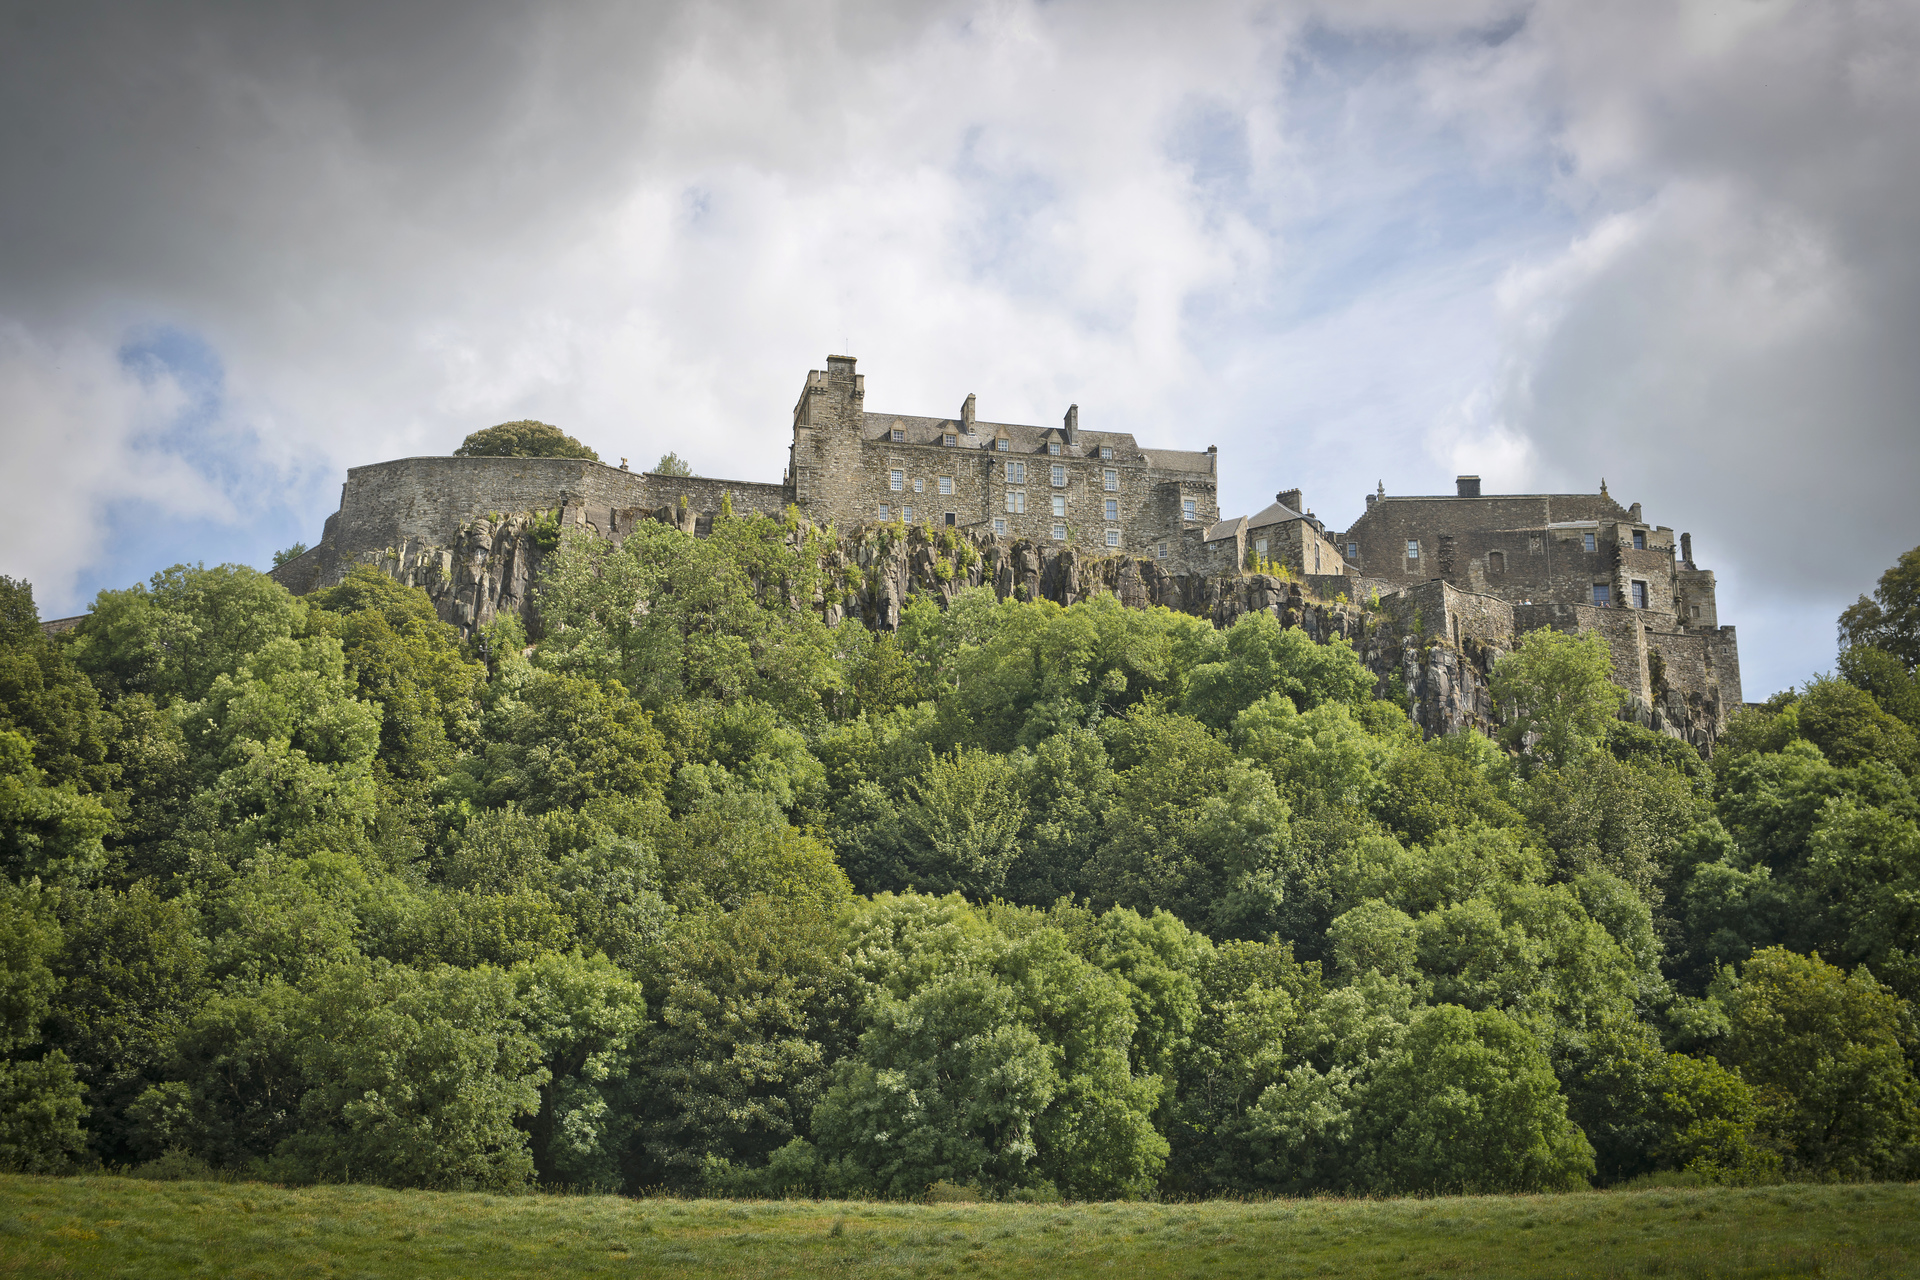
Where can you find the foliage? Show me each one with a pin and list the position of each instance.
(672, 464)
(525, 438)
(1556, 696)
(1890, 621)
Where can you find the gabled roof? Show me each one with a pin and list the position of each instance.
(1224, 529)
(1275, 513)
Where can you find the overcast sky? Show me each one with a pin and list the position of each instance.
(245, 246)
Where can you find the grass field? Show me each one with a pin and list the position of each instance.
(106, 1226)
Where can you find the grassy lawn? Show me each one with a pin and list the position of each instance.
(123, 1227)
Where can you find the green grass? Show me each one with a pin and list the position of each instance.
(108, 1226)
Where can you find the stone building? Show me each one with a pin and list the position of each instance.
(1099, 491)
(1513, 563)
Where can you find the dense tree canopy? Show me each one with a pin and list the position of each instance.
(698, 891)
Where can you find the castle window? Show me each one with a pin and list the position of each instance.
(946, 486)
(906, 513)
(999, 524)
(1059, 505)
(1639, 595)
(1413, 549)
(1113, 508)
(918, 484)
(1112, 480)
(1602, 594)
(1186, 509)
(1496, 562)
(1696, 610)
(1353, 551)
(896, 479)
(898, 436)
(1001, 444)
(1639, 539)
(1059, 533)
(1260, 545)
(880, 512)
(1017, 501)
(1586, 542)
(1059, 476)
(1053, 447)
(1106, 452)
(1316, 557)
(950, 520)
(1113, 537)
(1016, 473)
(1160, 551)
(950, 440)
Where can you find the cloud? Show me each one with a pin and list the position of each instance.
(1673, 244)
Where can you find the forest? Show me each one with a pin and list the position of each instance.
(688, 891)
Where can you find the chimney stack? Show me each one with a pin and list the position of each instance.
(966, 415)
(1633, 513)
(1686, 549)
(1466, 486)
(1290, 499)
(1073, 423)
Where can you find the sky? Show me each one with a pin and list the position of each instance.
(1675, 245)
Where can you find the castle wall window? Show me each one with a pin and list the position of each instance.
(1111, 479)
(1353, 551)
(946, 486)
(897, 436)
(1696, 610)
(1260, 546)
(1113, 508)
(1160, 551)
(1059, 505)
(1413, 549)
(896, 479)
(1639, 595)
(950, 520)
(1001, 444)
(1496, 562)
(1000, 524)
(918, 484)
(1113, 537)
(880, 512)
(1053, 447)
(906, 513)
(1316, 557)
(1602, 594)
(1586, 542)
(950, 440)
(1106, 452)
(1186, 509)
(1059, 533)
(1639, 539)
(1017, 501)
(1016, 473)
(1059, 476)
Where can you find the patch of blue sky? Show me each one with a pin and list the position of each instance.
(267, 506)
(1004, 238)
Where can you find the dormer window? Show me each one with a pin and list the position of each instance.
(1001, 444)
(897, 436)
(1053, 447)
(950, 440)
(1106, 453)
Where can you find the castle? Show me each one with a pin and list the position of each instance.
(1471, 570)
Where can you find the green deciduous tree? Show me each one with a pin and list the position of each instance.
(1891, 620)
(1556, 696)
(524, 438)
(41, 1101)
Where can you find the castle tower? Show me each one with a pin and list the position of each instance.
(827, 424)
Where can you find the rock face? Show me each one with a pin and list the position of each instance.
(488, 567)
(1430, 649)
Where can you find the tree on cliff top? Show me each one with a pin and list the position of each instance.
(1891, 620)
(523, 439)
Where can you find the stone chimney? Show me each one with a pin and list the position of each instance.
(1213, 459)
(1073, 424)
(1291, 499)
(1686, 549)
(966, 415)
(1466, 486)
(1633, 513)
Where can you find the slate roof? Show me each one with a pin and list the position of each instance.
(1027, 439)
(1224, 529)
(1275, 513)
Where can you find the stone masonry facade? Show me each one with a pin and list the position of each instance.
(1438, 586)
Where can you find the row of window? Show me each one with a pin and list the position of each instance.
(952, 440)
(1016, 474)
